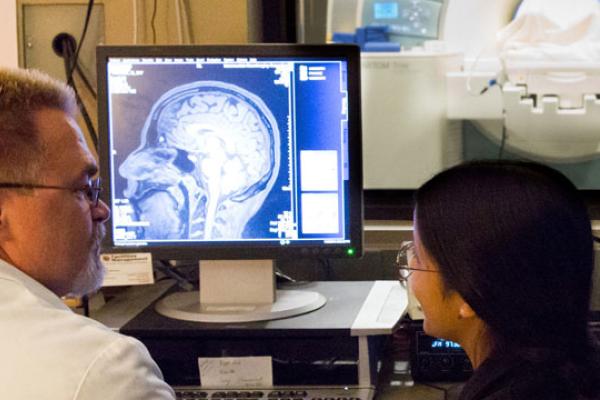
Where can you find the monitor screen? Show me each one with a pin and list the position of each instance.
(226, 152)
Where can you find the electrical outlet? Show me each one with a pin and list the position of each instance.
(40, 22)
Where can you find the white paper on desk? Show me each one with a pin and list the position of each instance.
(236, 372)
(127, 269)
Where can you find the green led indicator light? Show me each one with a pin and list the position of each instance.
(350, 251)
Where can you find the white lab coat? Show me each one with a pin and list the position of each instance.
(48, 352)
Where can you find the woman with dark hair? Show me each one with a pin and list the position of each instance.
(503, 259)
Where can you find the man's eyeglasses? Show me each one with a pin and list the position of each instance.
(403, 260)
(91, 190)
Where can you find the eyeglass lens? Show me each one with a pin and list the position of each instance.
(93, 191)
(403, 258)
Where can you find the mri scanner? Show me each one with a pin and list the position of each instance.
(525, 75)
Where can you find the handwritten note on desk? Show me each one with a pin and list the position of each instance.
(236, 372)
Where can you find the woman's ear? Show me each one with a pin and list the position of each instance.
(465, 311)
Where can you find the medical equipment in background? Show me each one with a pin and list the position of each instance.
(403, 93)
(404, 118)
(547, 68)
(467, 60)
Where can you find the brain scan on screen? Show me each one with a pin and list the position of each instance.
(209, 154)
(207, 150)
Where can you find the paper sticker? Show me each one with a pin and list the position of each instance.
(236, 372)
(127, 269)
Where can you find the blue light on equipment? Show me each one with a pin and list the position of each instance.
(385, 10)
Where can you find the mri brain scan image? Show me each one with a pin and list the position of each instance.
(209, 155)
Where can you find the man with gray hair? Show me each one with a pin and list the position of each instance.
(51, 226)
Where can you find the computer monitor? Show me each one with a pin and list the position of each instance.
(235, 156)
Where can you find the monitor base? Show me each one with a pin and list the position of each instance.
(186, 306)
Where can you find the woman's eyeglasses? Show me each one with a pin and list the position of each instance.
(403, 261)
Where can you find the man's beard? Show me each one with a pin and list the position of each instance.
(90, 278)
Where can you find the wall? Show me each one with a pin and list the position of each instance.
(8, 34)
(201, 21)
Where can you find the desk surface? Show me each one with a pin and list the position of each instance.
(395, 382)
(335, 318)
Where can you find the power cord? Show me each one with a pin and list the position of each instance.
(164, 267)
(502, 139)
(64, 46)
(491, 83)
(86, 81)
(327, 268)
(83, 33)
(283, 276)
(153, 21)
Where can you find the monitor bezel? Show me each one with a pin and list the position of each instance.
(253, 250)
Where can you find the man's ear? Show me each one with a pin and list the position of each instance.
(2, 214)
(4, 234)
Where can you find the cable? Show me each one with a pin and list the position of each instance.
(153, 21)
(503, 139)
(86, 118)
(64, 46)
(86, 81)
(182, 282)
(497, 81)
(491, 83)
(280, 274)
(179, 22)
(329, 275)
(83, 33)
(186, 13)
(472, 71)
(134, 5)
(70, 56)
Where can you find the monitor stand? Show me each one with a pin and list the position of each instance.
(238, 291)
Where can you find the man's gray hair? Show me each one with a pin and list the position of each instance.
(22, 94)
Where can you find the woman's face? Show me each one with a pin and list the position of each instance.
(440, 307)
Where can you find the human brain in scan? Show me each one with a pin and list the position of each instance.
(209, 155)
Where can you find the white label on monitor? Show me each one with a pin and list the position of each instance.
(320, 213)
(127, 269)
(236, 372)
(319, 171)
